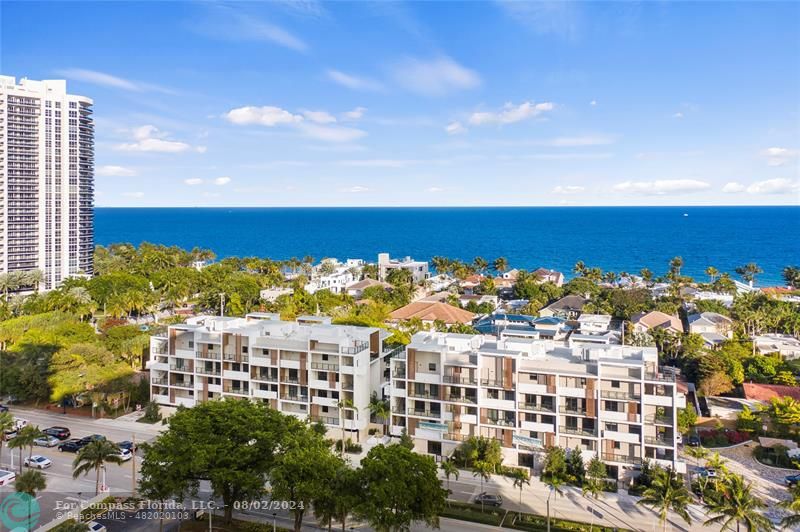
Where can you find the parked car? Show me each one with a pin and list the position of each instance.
(94, 526)
(6, 477)
(62, 433)
(489, 499)
(707, 472)
(38, 461)
(3, 408)
(86, 440)
(693, 440)
(19, 422)
(124, 455)
(792, 480)
(46, 441)
(127, 445)
(73, 446)
(10, 434)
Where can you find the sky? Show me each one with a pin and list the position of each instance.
(434, 103)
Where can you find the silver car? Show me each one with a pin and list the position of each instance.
(46, 441)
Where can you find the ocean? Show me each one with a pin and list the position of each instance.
(613, 238)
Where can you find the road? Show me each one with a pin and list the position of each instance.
(63, 492)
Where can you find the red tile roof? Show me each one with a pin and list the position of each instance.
(765, 392)
(432, 311)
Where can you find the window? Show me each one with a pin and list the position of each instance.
(324, 357)
(508, 395)
(244, 349)
(615, 384)
(612, 427)
(432, 366)
(191, 344)
(435, 447)
(612, 406)
(617, 445)
(492, 394)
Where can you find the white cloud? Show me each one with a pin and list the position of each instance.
(661, 187)
(355, 114)
(193, 181)
(677, 115)
(354, 189)
(434, 77)
(231, 23)
(511, 113)
(111, 170)
(568, 189)
(108, 80)
(220, 181)
(319, 117)
(593, 103)
(149, 139)
(455, 128)
(774, 186)
(779, 156)
(133, 194)
(353, 82)
(265, 116)
(434, 190)
(733, 188)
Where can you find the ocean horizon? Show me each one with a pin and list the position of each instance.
(612, 238)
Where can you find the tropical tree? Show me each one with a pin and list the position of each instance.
(675, 266)
(698, 453)
(95, 456)
(343, 405)
(25, 438)
(483, 470)
(791, 274)
(792, 521)
(480, 264)
(749, 271)
(666, 493)
(30, 483)
(712, 273)
(646, 274)
(738, 506)
(554, 474)
(520, 479)
(579, 268)
(593, 485)
(380, 409)
(449, 469)
(341, 496)
(500, 264)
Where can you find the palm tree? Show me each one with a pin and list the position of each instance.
(791, 274)
(520, 479)
(30, 483)
(440, 264)
(712, 273)
(25, 438)
(646, 274)
(667, 492)
(343, 405)
(793, 505)
(500, 264)
(484, 470)
(480, 264)
(579, 268)
(6, 423)
(449, 469)
(716, 462)
(555, 482)
(698, 453)
(739, 505)
(593, 486)
(675, 266)
(749, 271)
(380, 409)
(95, 456)
(33, 278)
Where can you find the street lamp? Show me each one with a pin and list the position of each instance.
(274, 519)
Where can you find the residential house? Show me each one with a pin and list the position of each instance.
(713, 327)
(465, 299)
(568, 307)
(418, 269)
(549, 276)
(432, 311)
(356, 290)
(644, 321)
(787, 346)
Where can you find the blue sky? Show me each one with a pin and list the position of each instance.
(497, 103)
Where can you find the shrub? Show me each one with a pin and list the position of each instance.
(349, 446)
(722, 438)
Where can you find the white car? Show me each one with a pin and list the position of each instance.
(38, 461)
(46, 441)
(124, 455)
(94, 526)
(6, 477)
(19, 422)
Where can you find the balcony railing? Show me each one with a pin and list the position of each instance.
(663, 420)
(423, 395)
(424, 413)
(399, 374)
(611, 457)
(325, 366)
(236, 390)
(657, 440)
(537, 407)
(347, 386)
(454, 436)
(159, 382)
(570, 410)
(202, 370)
(621, 396)
(495, 383)
(232, 357)
(354, 349)
(208, 355)
(577, 431)
(183, 384)
(325, 419)
(462, 399)
(459, 379)
(264, 377)
(501, 422)
(294, 397)
(181, 367)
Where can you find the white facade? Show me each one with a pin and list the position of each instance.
(419, 269)
(301, 368)
(334, 276)
(46, 180)
(609, 400)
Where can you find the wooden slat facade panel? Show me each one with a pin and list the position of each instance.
(411, 365)
(508, 373)
(551, 384)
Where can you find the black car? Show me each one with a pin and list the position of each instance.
(62, 433)
(86, 440)
(72, 446)
(127, 445)
(693, 440)
(489, 499)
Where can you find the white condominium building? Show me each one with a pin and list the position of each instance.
(303, 368)
(417, 268)
(46, 180)
(607, 400)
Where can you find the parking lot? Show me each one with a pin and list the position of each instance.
(63, 492)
